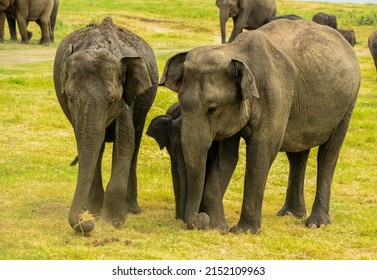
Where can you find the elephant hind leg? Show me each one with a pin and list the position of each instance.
(328, 154)
(294, 201)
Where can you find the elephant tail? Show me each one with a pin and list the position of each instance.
(75, 161)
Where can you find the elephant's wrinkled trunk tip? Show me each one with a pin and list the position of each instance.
(82, 223)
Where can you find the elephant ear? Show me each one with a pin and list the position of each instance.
(246, 79)
(159, 129)
(63, 75)
(173, 72)
(136, 80)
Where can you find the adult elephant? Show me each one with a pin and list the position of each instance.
(289, 86)
(372, 43)
(221, 161)
(105, 79)
(7, 10)
(248, 14)
(44, 12)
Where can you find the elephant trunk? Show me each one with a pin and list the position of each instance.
(90, 127)
(224, 16)
(195, 144)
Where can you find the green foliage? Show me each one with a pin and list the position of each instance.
(37, 145)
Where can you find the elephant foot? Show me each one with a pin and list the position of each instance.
(218, 222)
(243, 227)
(29, 35)
(82, 223)
(113, 217)
(318, 219)
(132, 207)
(198, 221)
(299, 211)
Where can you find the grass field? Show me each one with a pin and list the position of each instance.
(37, 146)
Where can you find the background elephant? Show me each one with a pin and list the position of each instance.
(8, 12)
(248, 14)
(372, 44)
(325, 19)
(105, 79)
(288, 86)
(166, 130)
(5, 7)
(44, 12)
(349, 35)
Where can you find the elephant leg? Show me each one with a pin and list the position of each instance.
(259, 157)
(328, 154)
(114, 207)
(221, 161)
(131, 198)
(2, 26)
(12, 28)
(294, 201)
(45, 30)
(22, 26)
(96, 193)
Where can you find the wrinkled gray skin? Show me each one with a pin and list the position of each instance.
(288, 86)
(291, 17)
(248, 14)
(166, 130)
(349, 35)
(372, 44)
(325, 19)
(105, 80)
(10, 15)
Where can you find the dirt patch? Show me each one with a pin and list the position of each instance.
(27, 56)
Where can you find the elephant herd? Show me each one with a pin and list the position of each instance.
(43, 12)
(287, 85)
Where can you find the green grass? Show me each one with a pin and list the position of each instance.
(37, 145)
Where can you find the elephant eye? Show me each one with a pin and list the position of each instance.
(212, 109)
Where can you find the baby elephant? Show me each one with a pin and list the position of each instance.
(349, 35)
(325, 19)
(106, 80)
(166, 130)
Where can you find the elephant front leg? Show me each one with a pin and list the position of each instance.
(294, 201)
(115, 206)
(259, 158)
(221, 161)
(22, 26)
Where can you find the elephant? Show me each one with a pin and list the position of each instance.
(43, 12)
(372, 44)
(325, 19)
(248, 14)
(166, 130)
(105, 79)
(288, 86)
(349, 35)
(8, 12)
(5, 7)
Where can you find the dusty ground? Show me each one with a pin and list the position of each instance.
(27, 56)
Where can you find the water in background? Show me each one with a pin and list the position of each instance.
(343, 1)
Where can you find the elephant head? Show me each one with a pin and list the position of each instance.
(211, 87)
(227, 9)
(93, 84)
